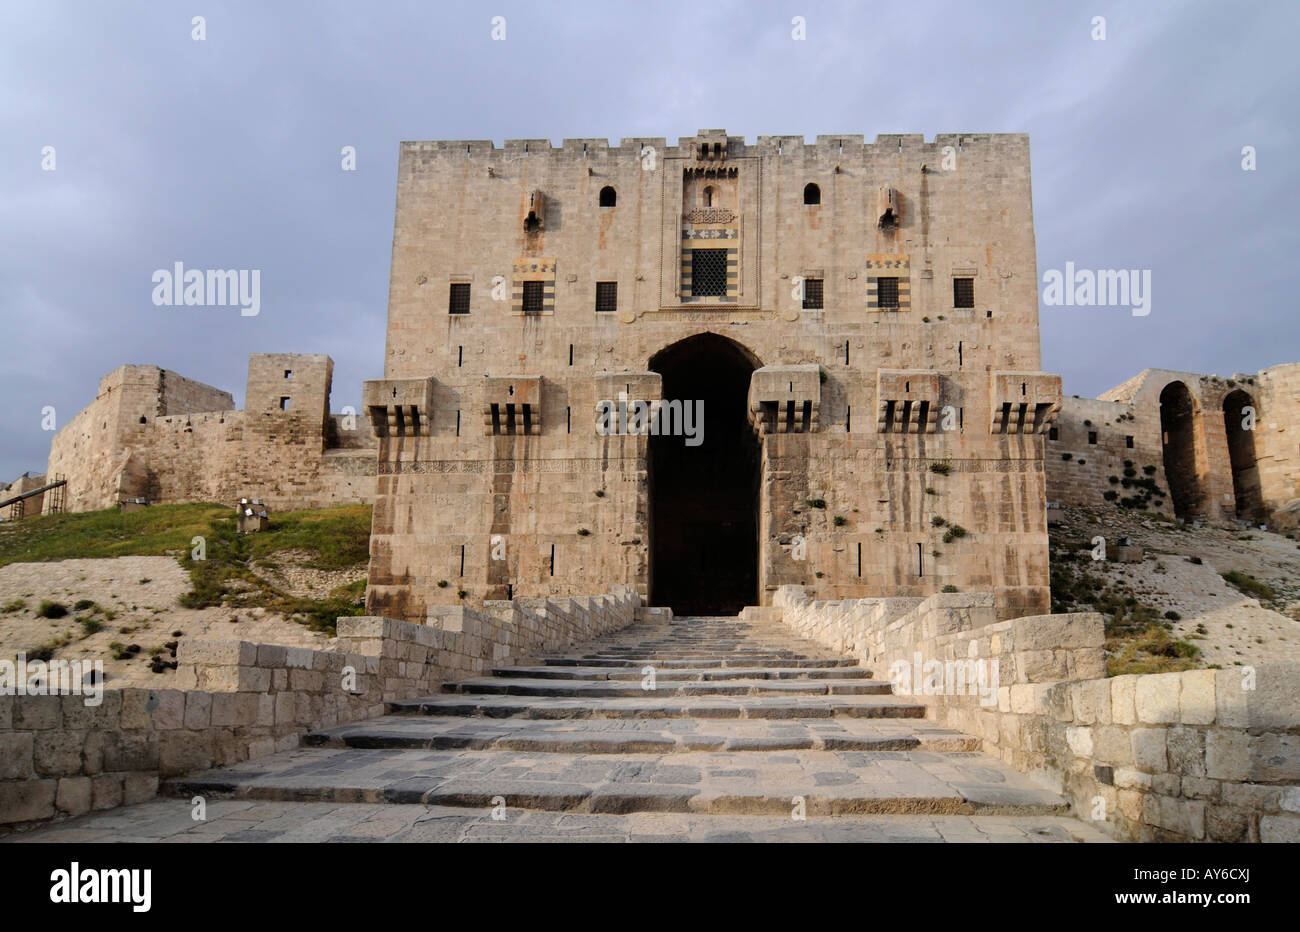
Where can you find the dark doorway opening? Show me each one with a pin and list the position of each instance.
(1178, 443)
(1240, 429)
(704, 499)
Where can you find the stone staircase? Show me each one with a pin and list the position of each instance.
(715, 717)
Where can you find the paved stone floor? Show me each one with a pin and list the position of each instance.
(744, 727)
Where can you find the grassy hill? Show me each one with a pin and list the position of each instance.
(335, 539)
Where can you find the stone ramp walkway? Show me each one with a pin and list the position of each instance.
(747, 733)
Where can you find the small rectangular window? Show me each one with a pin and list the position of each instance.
(708, 273)
(887, 292)
(963, 292)
(533, 297)
(284, 403)
(1092, 436)
(606, 297)
(1053, 434)
(1128, 442)
(288, 373)
(812, 294)
(459, 301)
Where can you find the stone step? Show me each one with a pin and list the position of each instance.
(599, 689)
(684, 673)
(731, 707)
(734, 783)
(679, 663)
(168, 819)
(640, 736)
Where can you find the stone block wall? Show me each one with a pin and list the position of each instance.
(155, 435)
(237, 700)
(571, 503)
(1230, 473)
(1203, 755)
(27, 507)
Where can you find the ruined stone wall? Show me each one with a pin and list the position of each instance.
(155, 435)
(1094, 440)
(1278, 436)
(1238, 466)
(95, 449)
(28, 506)
(572, 505)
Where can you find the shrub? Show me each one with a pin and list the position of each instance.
(817, 503)
(938, 521)
(1173, 615)
(1067, 456)
(839, 521)
(950, 588)
(941, 468)
(954, 531)
(89, 626)
(1110, 496)
(50, 609)
(82, 604)
(583, 532)
(17, 605)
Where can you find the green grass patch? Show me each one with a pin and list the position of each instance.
(331, 538)
(336, 538)
(91, 534)
(1249, 585)
(1152, 651)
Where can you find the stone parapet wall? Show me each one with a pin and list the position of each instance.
(1202, 755)
(239, 700)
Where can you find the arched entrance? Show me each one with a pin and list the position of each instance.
(704, 497)
(1239, 425)
(1178, 443)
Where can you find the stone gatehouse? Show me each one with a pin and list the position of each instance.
(858, 321)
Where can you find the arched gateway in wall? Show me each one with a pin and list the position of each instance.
(703, 488)
(1178, 438)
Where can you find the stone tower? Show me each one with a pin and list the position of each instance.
(712, 369)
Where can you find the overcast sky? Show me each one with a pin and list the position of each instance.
(225, 153)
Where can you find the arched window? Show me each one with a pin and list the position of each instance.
(812, 194)
(708, 197)
(608, 197)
